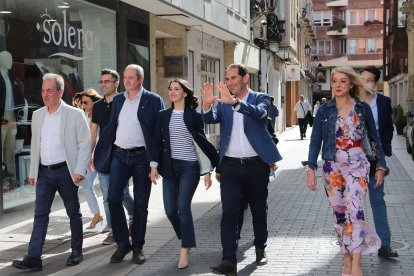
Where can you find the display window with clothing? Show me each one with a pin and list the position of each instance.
(39, 37)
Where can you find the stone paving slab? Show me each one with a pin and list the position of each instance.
(301, 236)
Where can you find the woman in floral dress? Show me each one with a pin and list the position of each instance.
(345, 125)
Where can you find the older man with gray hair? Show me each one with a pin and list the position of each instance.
(58, 161)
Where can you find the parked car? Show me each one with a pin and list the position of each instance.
(409, 138)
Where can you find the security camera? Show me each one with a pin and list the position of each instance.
(263, 22)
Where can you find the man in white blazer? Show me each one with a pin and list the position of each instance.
(58, 161)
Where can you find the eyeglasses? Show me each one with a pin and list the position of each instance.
(369, 80)
(106, 82)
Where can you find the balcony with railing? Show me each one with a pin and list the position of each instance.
(338, 28)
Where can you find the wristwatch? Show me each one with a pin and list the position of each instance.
(236, 103)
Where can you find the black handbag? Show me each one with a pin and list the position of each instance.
(103, 151)
(374, 149)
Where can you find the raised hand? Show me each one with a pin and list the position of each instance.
(225, 96)
(207, 95)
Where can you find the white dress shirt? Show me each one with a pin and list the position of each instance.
(129, 132)
(51, 147)
(302, 108)
(239, 145)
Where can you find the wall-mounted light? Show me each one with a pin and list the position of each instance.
(307, 49)
(4, 9)
(64, 5)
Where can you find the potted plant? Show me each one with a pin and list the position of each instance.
(338, 25)
(399, 119)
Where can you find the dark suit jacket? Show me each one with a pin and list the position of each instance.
(161, 146)
(385, 126)
(255, 125)
(17, 94)
(22, 131)
(149, 106)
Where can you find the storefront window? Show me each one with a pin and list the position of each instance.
(76, 39)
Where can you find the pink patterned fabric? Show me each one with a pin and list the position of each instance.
(346, 183)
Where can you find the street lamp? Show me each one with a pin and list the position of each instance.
(307, 49)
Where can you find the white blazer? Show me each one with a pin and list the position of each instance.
(74, 131)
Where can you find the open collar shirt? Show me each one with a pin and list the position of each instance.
(129, 132)
(51, 145)
(239, 145)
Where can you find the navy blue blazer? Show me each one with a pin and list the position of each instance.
(255, 111)
(385, 125)
(149, 106)
(161, 145)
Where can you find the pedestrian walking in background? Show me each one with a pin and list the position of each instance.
(134, 114)
(302, 108)
(101, 113)
(58, 160)
(86, 100)
(246, 150)
(273, 111)
(382, 111)
(174, 157)
(344, 127)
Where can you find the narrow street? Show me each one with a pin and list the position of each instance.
(301, 235)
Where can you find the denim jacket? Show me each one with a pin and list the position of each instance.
(324, 131)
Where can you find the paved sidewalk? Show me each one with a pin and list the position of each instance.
(301, 235)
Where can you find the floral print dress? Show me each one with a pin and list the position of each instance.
(345, 182)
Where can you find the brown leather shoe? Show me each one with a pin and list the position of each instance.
(138, 257)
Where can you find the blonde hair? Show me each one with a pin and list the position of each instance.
(359, 88)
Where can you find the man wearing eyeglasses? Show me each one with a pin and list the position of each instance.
(101, 112)
(382, 111)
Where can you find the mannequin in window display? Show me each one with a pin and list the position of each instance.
(10, 97)
(73, 84)
(33, 83)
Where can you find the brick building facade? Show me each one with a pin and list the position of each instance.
(348, 33)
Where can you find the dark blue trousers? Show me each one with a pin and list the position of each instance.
(177, 195)
(252, 179)
(123, 166)
(48, 182)
(379, 211)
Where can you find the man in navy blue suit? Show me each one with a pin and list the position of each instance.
(382, 111)
(246, 150)
(134, 112)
